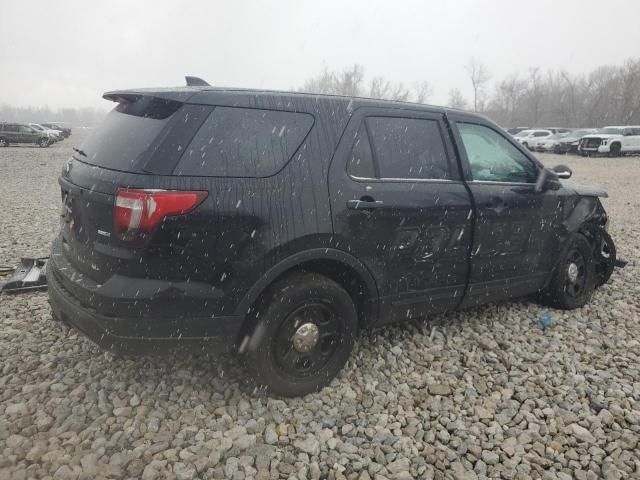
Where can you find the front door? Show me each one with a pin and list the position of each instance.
(513, 224)
(400, 207)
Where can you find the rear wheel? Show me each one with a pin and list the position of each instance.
(3, 143)
(574, 279)
(304, 332)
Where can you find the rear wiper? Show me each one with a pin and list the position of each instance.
(80, 151)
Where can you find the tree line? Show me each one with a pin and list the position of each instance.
(75, 117)
(607, 95)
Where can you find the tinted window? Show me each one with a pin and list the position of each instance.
(25, 129)
(541, 134)
(126, 133)
(11, 128)
(361, 161)
(408, 148)
(242, 142)
(493, 158)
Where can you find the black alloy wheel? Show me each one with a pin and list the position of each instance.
(573, 280)
(303, 330)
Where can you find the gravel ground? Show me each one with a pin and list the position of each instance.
(484, 393)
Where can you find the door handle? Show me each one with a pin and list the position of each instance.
(365, 203)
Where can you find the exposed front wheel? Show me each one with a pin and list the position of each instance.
(573, 281)
(615, 150)
(305, 329)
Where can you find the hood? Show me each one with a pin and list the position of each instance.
(585, 190)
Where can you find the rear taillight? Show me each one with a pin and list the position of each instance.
(138, 212)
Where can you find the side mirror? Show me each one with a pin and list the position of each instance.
(543, 182)
(562, 171)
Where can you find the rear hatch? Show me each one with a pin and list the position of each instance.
(137, 144)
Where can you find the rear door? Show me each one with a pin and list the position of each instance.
(400, 207)
(513, 223)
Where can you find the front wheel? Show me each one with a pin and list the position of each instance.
(305, 328)
(573, 281)
(43, 142)
(615, 150)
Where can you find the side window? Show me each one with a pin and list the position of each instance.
(25, 129)
(408, 148)
(360, 162)
(493, 158)
(541, 134)
(244, 142)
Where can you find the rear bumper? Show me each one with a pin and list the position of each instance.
(140, 334)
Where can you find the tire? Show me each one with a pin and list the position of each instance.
(573, 280)
(3, 143)
(604, 255)
(280, 357)
(615, 150)
(43, 143)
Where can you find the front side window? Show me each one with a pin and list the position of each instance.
(408, 148)
(244, 142)
(25, 129)
(493, 158)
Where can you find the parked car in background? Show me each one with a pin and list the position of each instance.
(555, 130)
(547, 144)
(570, 142)
(66, 131)
(279, 224)
(22, 133)
(54, 135)
(613, 140)
(529, 138)
(515, 130)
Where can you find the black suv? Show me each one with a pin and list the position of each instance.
(22, 133)
(279, 224)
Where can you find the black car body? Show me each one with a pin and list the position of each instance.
(22, 133)
(66, 131)
(243, 202)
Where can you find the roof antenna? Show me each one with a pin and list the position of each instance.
(195, 82)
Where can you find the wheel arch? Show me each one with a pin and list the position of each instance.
(340, 266)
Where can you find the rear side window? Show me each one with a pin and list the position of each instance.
(244, 142)
(361, 160)
(408, 148)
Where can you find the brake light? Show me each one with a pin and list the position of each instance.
(138, 212)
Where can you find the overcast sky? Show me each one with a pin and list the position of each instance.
(67, 53)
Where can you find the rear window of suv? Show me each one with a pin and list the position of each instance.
(126, 133)
(244, 142)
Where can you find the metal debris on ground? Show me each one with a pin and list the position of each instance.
(29, 275)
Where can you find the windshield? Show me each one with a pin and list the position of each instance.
(610, 131)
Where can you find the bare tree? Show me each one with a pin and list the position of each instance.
(479, 76)
(456, 100)
(422, 91)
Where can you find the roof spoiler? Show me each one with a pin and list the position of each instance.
(196, 82)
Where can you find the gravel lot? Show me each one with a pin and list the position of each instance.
(484, 393)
